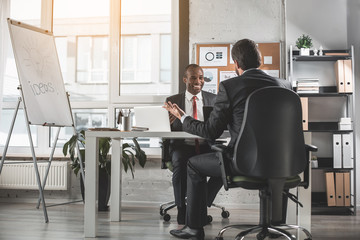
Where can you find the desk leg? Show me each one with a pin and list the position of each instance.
(91, 186)
(304, 215)
(116, 170)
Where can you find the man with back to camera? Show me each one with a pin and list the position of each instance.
(181, 150)
(228, 112)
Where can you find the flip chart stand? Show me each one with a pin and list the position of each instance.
(41, 187)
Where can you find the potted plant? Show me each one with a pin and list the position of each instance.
(304, 43)
(130, 154)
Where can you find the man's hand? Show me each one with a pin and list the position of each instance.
(172, 118)
(174, 110)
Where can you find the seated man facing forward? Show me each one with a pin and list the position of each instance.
(180, 150)
(228, 112)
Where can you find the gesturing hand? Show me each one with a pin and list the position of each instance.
(174, 109)
(172, 118)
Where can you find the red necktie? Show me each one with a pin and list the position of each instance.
(197, 145)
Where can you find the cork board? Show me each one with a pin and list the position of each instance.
(216, 61)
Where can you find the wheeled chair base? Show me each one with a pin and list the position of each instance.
(264, 231)
(170, 205)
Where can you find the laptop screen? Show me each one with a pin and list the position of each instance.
(156, 118)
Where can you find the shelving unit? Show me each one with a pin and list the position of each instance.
(321, 129)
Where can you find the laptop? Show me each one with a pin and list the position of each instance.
(154, 118)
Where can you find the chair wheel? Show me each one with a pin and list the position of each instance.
(225, 214)
(209, 218)
(167, 217)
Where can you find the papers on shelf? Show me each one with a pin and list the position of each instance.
(307, 85)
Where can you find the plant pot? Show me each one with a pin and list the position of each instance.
(304, 51)
(104, 190)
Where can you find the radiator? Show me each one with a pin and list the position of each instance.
(22, 176)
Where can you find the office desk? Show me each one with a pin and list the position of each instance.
(301, 216)
(91, 178)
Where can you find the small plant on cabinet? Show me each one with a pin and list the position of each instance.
(304, 43)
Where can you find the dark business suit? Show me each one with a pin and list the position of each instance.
(228, 112)
(180, 152)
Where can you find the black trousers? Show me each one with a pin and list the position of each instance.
(179, 158)
(200, 192)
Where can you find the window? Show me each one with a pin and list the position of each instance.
(165, 58)
(145, 48)
(92, 60)
(62, 49)
(135, 59)
(84, 119)
(28, 11)
(19, 136)
(9, 81)
(100, 74)
(83, 47)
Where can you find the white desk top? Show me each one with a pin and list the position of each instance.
(131, 134)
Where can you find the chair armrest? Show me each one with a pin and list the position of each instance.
(311, 148)
(218, 147)
(220, 141)
(219, 152)
(308, 148)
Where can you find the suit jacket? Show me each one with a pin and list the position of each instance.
(179, 99)
(230, 106)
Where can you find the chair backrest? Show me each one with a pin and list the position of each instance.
(271, 141)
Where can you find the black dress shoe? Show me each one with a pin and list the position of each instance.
(188, 233)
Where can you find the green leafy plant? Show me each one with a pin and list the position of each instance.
(304, 41)
(130, 153)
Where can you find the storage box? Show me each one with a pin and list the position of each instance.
(345, 124)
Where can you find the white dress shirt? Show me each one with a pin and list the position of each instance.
(189, 111)
(189, 105)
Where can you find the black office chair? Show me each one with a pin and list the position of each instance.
(269, 155)
(165, 207)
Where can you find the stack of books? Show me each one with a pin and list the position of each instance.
(307, 85)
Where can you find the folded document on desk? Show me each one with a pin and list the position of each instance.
(103, 129)
(141, 129)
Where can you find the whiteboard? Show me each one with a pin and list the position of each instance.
(41, 81)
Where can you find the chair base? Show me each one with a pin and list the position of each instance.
(264, 231)
(166, 207)
(170, 205)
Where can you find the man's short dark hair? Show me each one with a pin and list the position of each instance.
(190, 66)
(246, 53)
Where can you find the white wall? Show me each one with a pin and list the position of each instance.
(325, 21)
(214, 21)
(354, 39)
